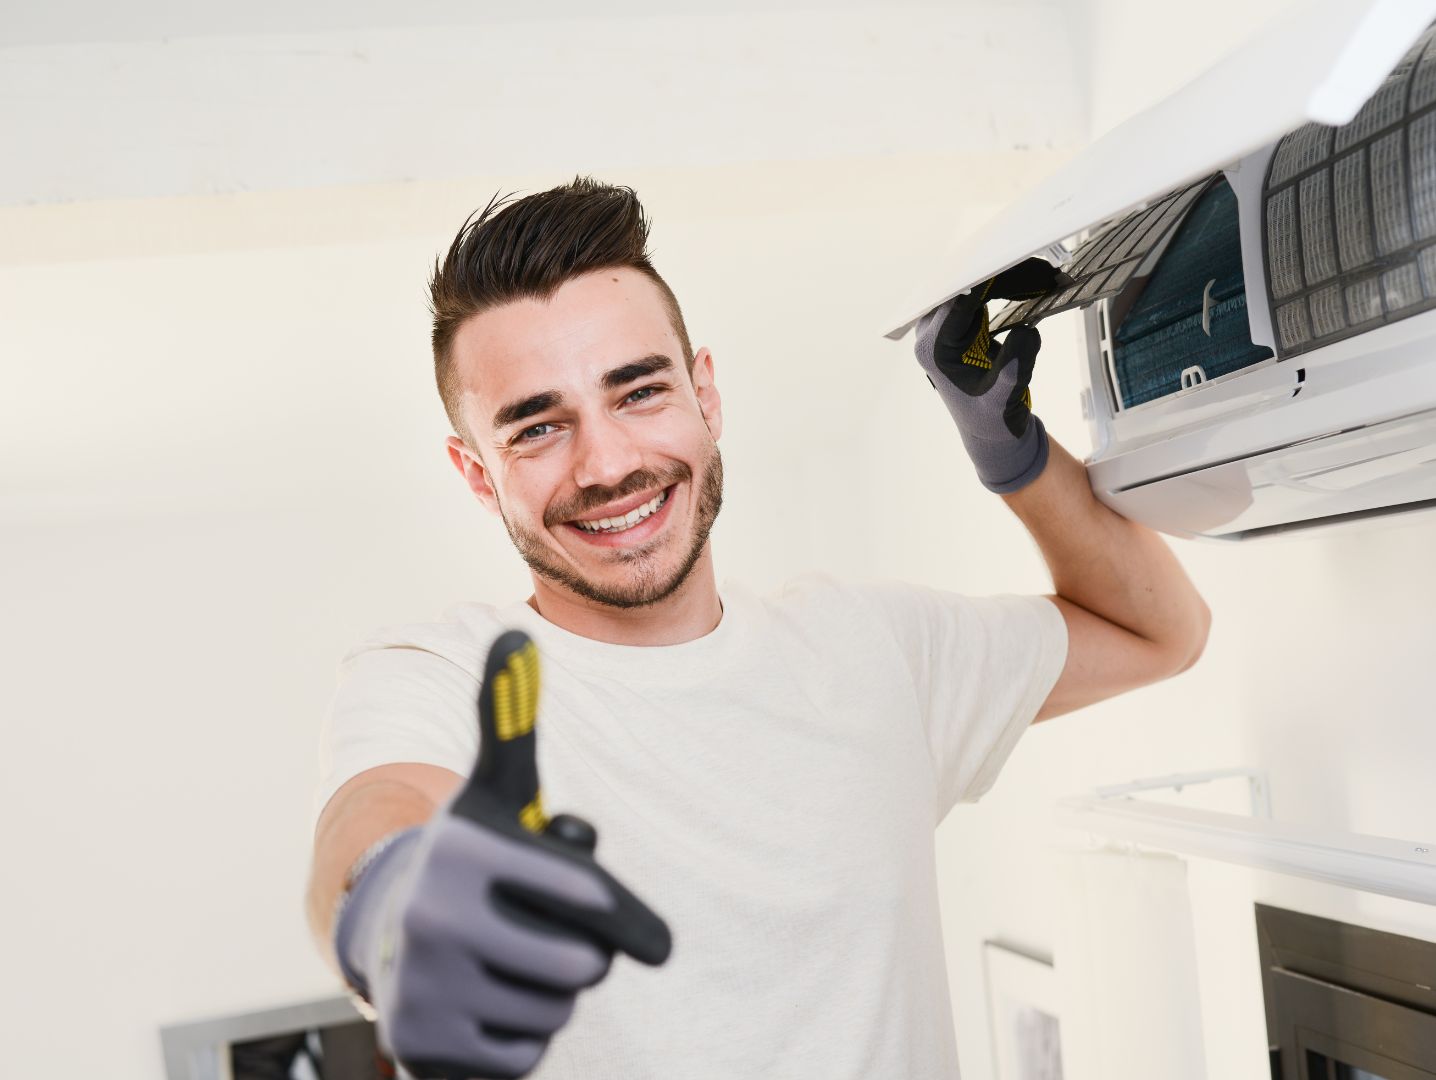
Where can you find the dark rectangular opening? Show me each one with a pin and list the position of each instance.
(1345, 1002)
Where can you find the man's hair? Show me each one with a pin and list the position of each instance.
(527, 249)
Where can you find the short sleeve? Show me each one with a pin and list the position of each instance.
(393, 704)
(981, 668)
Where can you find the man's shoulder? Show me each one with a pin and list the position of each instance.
(461, 635)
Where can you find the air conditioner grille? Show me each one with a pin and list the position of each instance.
(1350, 213)
(1105, 263)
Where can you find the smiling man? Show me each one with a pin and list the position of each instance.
(596, 443)
(766, 771)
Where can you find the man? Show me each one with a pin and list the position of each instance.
(766, 772)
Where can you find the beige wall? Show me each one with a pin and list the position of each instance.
(224, 464)
(221, 458)
(1316, 671)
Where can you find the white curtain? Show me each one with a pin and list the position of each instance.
(1126, 964)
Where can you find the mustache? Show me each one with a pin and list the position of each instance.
(591, 498)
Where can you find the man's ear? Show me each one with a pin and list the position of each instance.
(707, 392)
(473, 472)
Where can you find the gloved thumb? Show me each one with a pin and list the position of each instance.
(505, 780)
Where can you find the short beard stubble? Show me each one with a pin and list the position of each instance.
(645, 586)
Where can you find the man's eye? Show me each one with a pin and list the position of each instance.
(528, 434)
(645, 391)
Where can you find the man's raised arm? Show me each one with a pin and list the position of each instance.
(1133, 616)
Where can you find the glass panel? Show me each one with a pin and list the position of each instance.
(1351, 1072)
(349, 1050)
(1039, 1045)
(1322, 1067)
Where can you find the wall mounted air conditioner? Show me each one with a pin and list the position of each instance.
(1256, 261)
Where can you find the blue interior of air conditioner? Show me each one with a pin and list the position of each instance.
(1162, 334)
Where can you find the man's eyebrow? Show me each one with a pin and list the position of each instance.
(651, 364)
(522, 409)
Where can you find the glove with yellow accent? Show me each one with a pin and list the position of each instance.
(472, 935)
(984, 385)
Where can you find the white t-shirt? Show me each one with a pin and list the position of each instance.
(770, 789)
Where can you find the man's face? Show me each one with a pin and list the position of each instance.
(594, 447)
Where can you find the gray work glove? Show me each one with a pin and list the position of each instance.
(472, 935)
(984, 385)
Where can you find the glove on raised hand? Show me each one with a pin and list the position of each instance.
(984, 385)
(472, 935)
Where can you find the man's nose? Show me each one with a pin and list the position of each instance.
(606, 453)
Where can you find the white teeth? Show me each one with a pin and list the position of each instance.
(627, 521)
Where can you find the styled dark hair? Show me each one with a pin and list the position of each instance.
(527, 249)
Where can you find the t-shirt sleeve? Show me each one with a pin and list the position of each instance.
(981, 668)
(397, 703)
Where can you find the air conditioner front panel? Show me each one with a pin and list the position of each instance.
(1377, 467)
(1384, 374)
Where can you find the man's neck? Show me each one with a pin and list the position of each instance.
(690, 611)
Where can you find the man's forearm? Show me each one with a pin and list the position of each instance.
(1112, 567)
(346, 831)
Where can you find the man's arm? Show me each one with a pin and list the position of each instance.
(1133, 616)
(366, 809)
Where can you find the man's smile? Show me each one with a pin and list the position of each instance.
(630, 521)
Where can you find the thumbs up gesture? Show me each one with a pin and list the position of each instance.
(506, 915)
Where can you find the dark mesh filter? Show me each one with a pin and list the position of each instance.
(1350, 213)
(1163, 332)
(1105, 263)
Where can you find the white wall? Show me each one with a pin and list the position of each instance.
(221, 453)
(241, 101)
(1137, 53)
(221, 462)
(225, 464)
(1316, 670)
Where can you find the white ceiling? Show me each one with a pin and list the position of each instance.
(166, 99)
(55, 22)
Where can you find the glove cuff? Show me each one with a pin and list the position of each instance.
(1028, 457)
(360, 922)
